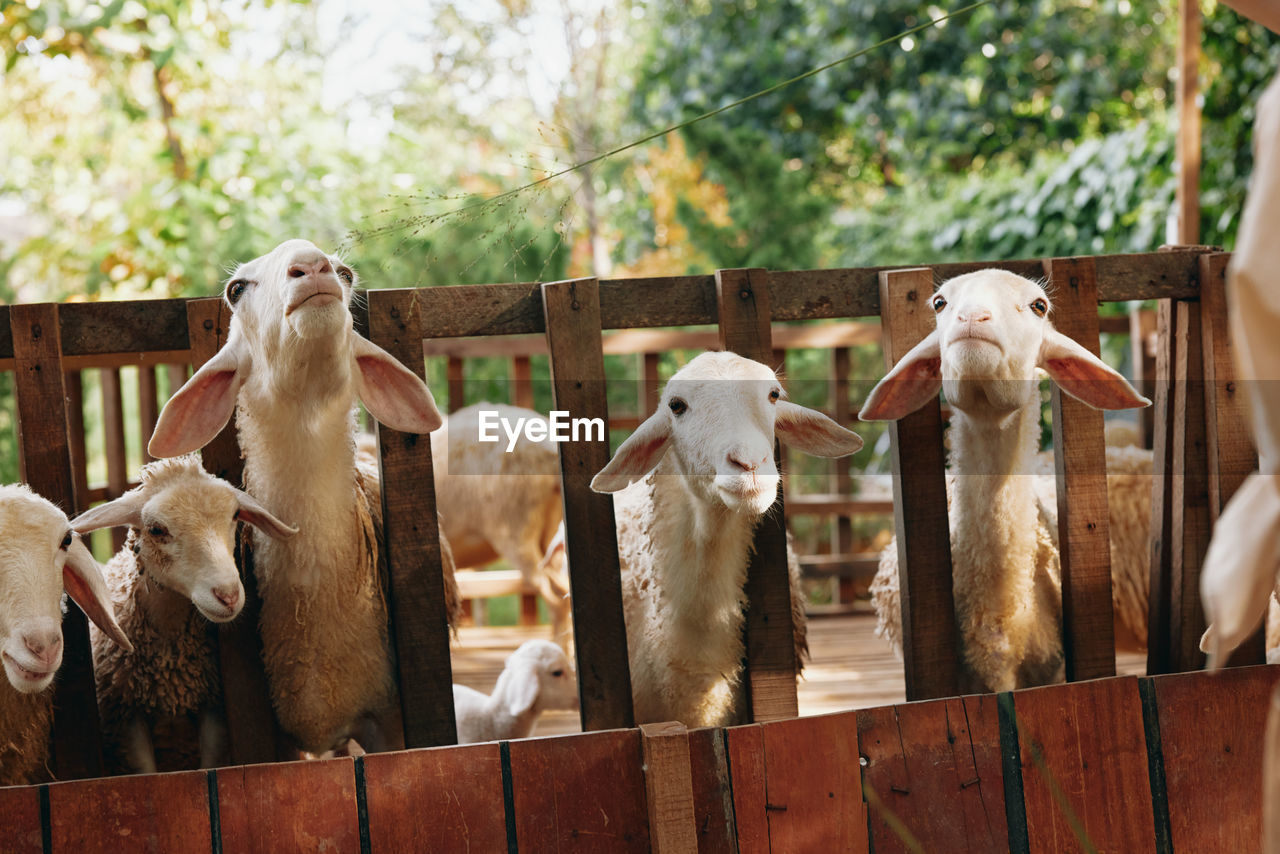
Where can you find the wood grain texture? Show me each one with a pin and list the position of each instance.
(113, 443)
(712, 795)
(1212, 730)
(920, 502)
(750, 801)
(121, 815)
(20, 818)
(572, 310)
(440, 799)
(583, 793)
(46, 466)
(935, 766)
(1088, 624)
(1084, 762)
(73, 383)
(742, 298)
(1190, 494)
(1159, 608)
(668, 779)
(411, 542)
(1188, 148)
(289, 806)
(148, 407)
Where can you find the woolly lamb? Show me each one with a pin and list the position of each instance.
(40, 557)
(537, 678)
(692, 483)
(174, 578)
(291, 370)
(992, 333)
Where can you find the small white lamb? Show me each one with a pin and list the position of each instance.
(292, 370)
(992, 333)
(537, 678)
(40, 557)
(175, 577)
(692, 483)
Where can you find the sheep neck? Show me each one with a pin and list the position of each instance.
(163, 609)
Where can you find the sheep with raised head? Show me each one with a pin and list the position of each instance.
(992, 333)
(537, 678)
(291, 371)
(173, 580)
(692, 483)
(40, 558)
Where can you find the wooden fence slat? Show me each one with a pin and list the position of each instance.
(176, 373)
(20, 818)
(1084, 762)
(668, 780)
(1190, 502)
(141, 813)
(1211, 736)
(288, 806)
(935, 767)
(521, 382)
(580, 793)
(712, 795)
(411, 542)
(572, 311)
(842, 480)
(148, 406)
(742, 298)
(650, 385)
(920, 502)
(457, 383)
(1160, 584)
(46, 456)
(113, 443)
(1088, 628)
(440, 799)
(73, 382)
(750, 801)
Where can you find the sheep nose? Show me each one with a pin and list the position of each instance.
(45, 643)
(229, 596)
(973, 314)
(738, 460)
(305, 265)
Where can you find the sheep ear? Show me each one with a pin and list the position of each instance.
(392, 393)
(83, 581)
(1084, 376)
(637, 456)
(913, 382)
(812, 432)
(125, 510)
(202, 407)
(523, 693)
(261, 518)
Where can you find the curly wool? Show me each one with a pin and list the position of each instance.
(25, 722)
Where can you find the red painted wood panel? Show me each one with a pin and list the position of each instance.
(291, 806)
(747, 769)
(119, 815)
(20, 818)
(712, 798)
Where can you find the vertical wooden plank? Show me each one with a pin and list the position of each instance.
(935, 769)
(742, 299)
(73, 382)
(668, 780)
(581, 793)
(1084, 766)
(411, 542)
(20, 818)
(456, 379)
(177, 374)
(148, 406)
(1142, 325)
(712, 794)
(1188, 142)
(1211, 736)
(140, 813)
(440, 799)
(842, 412)
(750, 803)
(920, 501)
(289, 806)
(521, 382)
(1159, 607)
(1088, 628)
(650, 384)
(572, 312)
(252, 731)
(1190, 510)
(46, 454)
(113, 443)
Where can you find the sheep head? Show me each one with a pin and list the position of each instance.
(993, 332)
(717, 421)
(40, 556)
(291, 335)
(539, 676)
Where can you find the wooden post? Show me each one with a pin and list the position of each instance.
(1088, 626)
(742, 299)
(1159, 603)
(457, 383)
(843, 486)
(929, 649)
(46, 454)
(113, 443)
(1188, 143)
(73, 382)
(572, 314)
(411, 542)
(668, 781)
(521, 382)
(650, 385)
(1142, 324)
(148, 407)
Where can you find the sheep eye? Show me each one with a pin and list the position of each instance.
(1040, 307)
(158, 531)
(678, 406)
(939, 303)
(557, 673)
(236, 289)
(346, 275)
(66, 542)
(774, 394)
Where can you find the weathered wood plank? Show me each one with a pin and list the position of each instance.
(1190, 510)
(46, 457)
(73, 382)
(1088, 627)
(20, 818)
(842, 479)
(935, 768)
(1084, 766)
(920, 502)
(288, 806)
(113, 442)
(578, 383)
(442, 799)
(1159, 607)
(140, 813)
(668, 779)
(457, 383)
(742, 298)
(1212, 730)
(411, 543)
(148, 406)
(712, 796)
(522, 382)
(92, 328)
(750, 801)
(582, 793)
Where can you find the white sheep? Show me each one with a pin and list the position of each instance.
(692, 484)
(291, 370)
(40, 557)
(174, 578)
(537, 678)
(992, 333)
